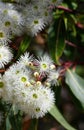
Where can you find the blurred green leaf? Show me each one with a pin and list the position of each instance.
(33, 124)
(24, 45)
(16, 122)
(60, 40)
(58, 116)
(80, 70)
(15, 109)
(8, 124)
(56, 39)
(15, 119)
(52, 41)
(70, 20)
(76, 84)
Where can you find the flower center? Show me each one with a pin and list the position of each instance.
(7, 23)
(1, 35)
(1, 84)
(23, 79)
(35, 95)
(44, 66)
(17, 72)
(37, 109)
(46, 13)
(36, 22)
(36, 7)
(5, 11)
(54, 1)
(23, 94)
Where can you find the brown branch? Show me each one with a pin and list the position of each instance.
(65, 9)
(69, 64)
(78, 24)
(26, 123)
(69, 10)
(2, 70)
(71, 44)
(75, 46)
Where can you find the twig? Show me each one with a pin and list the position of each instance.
(2, 70)
(69, 10)
(73, 45)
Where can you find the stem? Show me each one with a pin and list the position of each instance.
(26, 123)
(69, 10)
(36, 124)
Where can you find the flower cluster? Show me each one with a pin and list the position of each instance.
(27, 85)
(29, 16)
(5, 55)
(22, 16)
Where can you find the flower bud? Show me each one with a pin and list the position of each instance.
(30, 64)
(36, 74)
(38, 83)
(47, 84)
(28, 84)
(52, 67)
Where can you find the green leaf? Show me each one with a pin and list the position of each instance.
(58, 116)
(8, 124)
(33, 124)
(16, 122)
(60, 40)
(56, 39)
(15, 119)
(52, 41)
(76, 84)
(24, 45)
(15, 109)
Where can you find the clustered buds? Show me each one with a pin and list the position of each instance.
(22, 16)
(27, 83)
(29, 87)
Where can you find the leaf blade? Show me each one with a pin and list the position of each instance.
(8, 124)
(24, 45)
(60, 39)
(57, 115)
(76, 84)
(56, 39)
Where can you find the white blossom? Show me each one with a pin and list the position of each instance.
(39, 101)
(53, 77)
(44, 63)
(26, 59)
(26, 83)
(4, 35)
(23, 88)
(5, 55)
